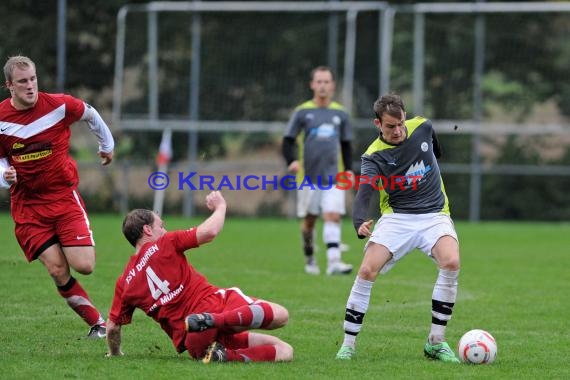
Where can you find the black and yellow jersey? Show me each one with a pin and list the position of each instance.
(407, 175)
(321, 130)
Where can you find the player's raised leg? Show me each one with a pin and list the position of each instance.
(375, 257)
(258, 315)
(446, 253)
(71, 290)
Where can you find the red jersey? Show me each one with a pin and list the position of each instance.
(160, 281)
(36, 142)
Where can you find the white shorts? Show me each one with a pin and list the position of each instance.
(313, 202)
(402, 233)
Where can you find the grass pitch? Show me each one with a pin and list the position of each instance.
(514, 282)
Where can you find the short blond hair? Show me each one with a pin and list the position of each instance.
(19, 61)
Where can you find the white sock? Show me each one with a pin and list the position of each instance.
(356, 308)
(443, 299)
(331, 237)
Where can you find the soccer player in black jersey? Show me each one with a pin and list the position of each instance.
(402, 165)
(326, 136)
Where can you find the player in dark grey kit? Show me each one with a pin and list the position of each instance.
(415, 214)
(326, 132)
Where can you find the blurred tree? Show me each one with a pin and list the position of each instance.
(526, 64)
(31, 29)
(524, 197)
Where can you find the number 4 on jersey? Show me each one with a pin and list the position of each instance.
(156, 285)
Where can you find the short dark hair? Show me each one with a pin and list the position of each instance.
(322, 68)
(134, 222)
(391, 104)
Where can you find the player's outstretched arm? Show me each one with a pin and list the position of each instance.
(114, 339)
(212, 226)
(100, 129)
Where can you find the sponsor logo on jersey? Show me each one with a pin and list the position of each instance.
(32, 156)
(419, 169)
(18, 146)
(323, 131)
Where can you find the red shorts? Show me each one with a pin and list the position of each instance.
(224, 299)
(40, 226)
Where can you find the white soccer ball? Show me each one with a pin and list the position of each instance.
(477, 347)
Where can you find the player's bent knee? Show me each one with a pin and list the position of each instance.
(60, 274)
(280, 316)
(368, 273)
(86, 267)
(283, 352)
(455, 265)
(81, 259)
(450, 263)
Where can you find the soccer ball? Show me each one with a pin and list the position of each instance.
(477, 347)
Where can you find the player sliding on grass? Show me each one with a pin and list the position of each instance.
(412, 217)
(211, 323)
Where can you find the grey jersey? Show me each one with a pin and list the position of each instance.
(322, 130)
(409, 177)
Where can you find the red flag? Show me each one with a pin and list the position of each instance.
(165, 150)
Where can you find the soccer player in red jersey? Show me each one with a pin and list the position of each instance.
(209, 322)
(51, 222)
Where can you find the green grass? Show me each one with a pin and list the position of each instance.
(514, 283)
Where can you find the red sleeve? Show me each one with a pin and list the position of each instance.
(184, 239)
(74, 108)
(121, 313)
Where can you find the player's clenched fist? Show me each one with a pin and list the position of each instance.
(215, 200)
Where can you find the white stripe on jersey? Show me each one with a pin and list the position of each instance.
(36, 127)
